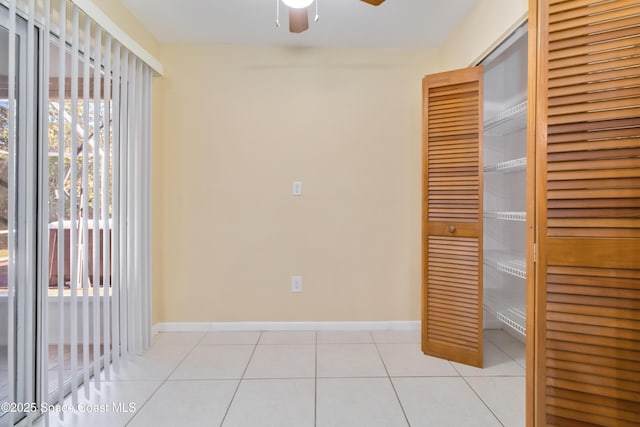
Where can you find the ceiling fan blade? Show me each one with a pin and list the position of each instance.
(298, 19)
(374, 2)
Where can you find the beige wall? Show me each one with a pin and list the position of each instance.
(119, 14)
(240, 124)
(234, 126)
(488, 23)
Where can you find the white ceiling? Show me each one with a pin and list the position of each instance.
(343, 23)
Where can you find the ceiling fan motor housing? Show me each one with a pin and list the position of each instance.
(299, 15)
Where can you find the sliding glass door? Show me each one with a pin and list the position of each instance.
(75, 141)
(18, 162)
(5, 182)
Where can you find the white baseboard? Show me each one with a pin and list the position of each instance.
(285, 326)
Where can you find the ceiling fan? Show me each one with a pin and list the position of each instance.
(299, 14)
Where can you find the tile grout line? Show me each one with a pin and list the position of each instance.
(375, 343)
(474, 391)
(482, 400)
(245, 378)
(235, 392)
(164, 380)
(499, 347)
(454, 367)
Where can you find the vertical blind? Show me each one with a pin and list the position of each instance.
(89, 145)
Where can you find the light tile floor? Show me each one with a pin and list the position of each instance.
(298, 379)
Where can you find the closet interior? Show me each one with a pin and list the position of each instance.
(504, 154)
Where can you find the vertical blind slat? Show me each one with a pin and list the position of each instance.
(115, 197)
(60, 235)
(76, 270)
(95, 209)
(139, 196)
(131, 193)
(44, 206)
(146, 174)
(124, 341)
(132, 207)
(104, 202)
(84, 242)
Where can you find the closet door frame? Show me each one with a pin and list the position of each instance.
(533, 332)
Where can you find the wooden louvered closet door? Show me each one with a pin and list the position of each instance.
(452, 216)
(587, 291)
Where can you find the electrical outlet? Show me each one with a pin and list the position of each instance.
(296, 283)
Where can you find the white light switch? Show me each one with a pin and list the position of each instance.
(297, 188)
(296, 283)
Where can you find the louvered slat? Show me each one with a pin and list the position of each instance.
(589, 215)
(452, 228)
(575, 36)
(596, 148)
